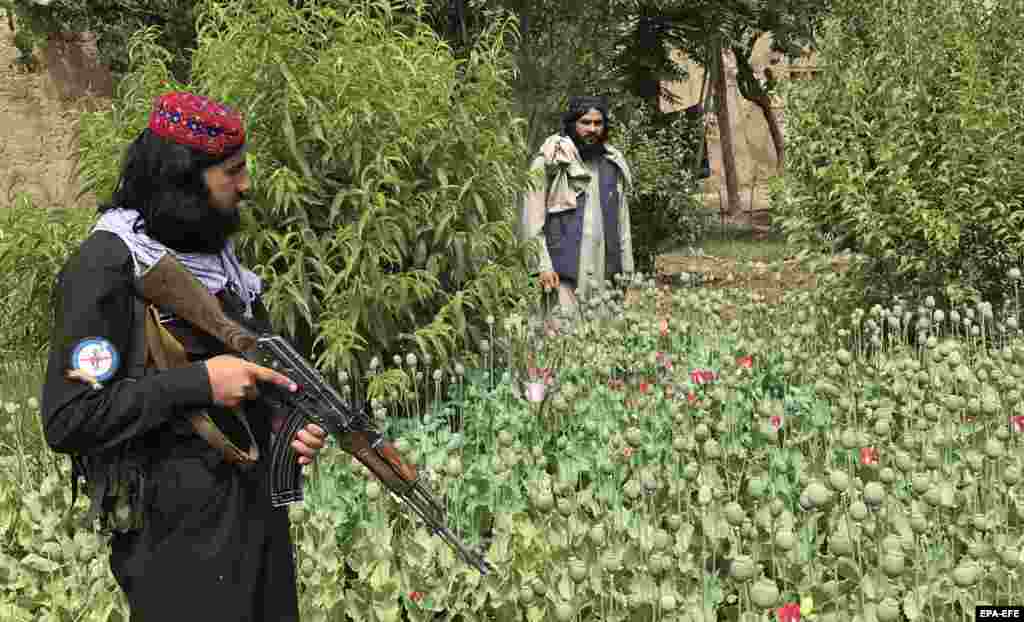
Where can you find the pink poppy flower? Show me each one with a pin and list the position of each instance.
(535, 391)
(702, 376)
(790, 612)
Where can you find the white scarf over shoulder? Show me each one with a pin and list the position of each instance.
(216, 271)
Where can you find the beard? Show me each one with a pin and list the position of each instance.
(588, 150)
(193, 226)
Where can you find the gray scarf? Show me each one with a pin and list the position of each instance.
(215, 271)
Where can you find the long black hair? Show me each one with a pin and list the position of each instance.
(163, 181)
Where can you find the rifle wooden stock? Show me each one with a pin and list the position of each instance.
(169, 285)
(383, 460)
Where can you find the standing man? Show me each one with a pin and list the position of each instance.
(193, 533)
(577, 208)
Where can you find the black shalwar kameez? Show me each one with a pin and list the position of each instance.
(210, 547)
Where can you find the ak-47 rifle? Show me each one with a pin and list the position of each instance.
(170, 286)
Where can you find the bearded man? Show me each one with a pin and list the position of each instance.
(577, 208)
(193, 534)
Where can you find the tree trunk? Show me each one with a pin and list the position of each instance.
(725, 137)
(753, 91)
(765, 104)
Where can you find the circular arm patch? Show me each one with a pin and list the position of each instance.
(97, 357)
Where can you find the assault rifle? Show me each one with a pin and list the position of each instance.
(170, 286)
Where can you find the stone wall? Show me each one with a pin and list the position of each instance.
(38, 114)
(74, 69)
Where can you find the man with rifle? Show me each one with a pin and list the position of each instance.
(166, 426)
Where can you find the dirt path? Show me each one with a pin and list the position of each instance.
(38, 139)
(757, 276)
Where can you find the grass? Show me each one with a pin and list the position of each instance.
(744, 247)
(735, 241)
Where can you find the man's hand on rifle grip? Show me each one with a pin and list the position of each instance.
(308, 441)
(233, 380)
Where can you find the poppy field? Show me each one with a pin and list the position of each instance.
(695, 455)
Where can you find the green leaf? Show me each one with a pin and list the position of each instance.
(41, 564)
(293, 147)
(441, 228)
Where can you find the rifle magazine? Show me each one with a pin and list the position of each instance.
(286, 478)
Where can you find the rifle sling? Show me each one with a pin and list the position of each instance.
(165, 352)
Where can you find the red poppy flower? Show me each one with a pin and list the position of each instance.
(745, 361)
(868, 456)
(416, 596)
(1018, 423)
(541, 374)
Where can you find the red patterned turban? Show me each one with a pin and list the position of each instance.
(197, 122)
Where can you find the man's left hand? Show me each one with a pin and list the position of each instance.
(308, 442)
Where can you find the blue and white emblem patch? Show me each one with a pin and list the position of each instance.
(97, 357)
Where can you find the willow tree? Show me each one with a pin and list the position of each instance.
(384, 170)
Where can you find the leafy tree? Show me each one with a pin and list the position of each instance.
(384, 170)
(704, 30)
(792, 26)
(113, 22)
(560, 48)
(915, 165)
